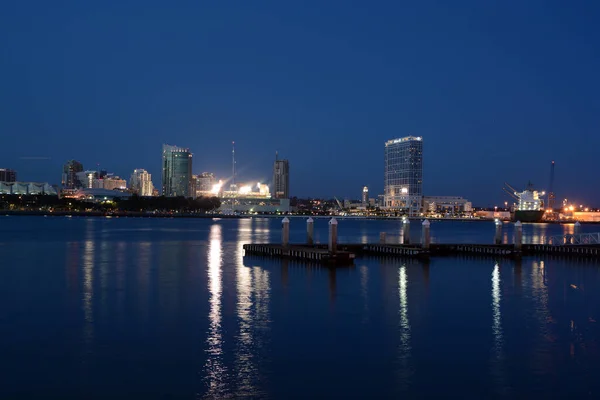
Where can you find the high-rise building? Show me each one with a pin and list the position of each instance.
(204, 184)
(113, 182)
(365, 196)
(8, 175)
(109, 182)
(176, 171)
(141, 182)
(86, 178)
(70, 180)
(281, 178)
(403, 186)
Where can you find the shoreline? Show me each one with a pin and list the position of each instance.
(133, 214)
(118, 214)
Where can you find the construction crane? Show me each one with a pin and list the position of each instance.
(551, 195)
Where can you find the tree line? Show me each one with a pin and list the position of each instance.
(133, 203)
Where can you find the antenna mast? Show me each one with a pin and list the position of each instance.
(551, 196)
(233, 164)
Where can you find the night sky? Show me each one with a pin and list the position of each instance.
(497, 90)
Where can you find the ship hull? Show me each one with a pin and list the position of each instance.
(529, 215)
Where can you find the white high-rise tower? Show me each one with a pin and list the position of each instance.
(141, 182)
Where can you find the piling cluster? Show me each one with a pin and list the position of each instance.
(332, 254)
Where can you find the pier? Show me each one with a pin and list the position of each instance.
(306, 253)
(343, 254)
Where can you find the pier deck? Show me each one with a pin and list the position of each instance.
(347, 252)
(315, 254)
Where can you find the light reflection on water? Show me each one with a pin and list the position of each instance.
(202, 319)
(403, 297)
(497, 317)
(144, 257)
(88, 285)
(364, 291)
(214, 370)
(498, 367)
(252, 309)
(404, 349)
(120, 277)
(541, 361)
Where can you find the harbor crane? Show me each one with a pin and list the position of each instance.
(339, 204)
(512, 192)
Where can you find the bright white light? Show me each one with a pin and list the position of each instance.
(217, 187)
(263, 189)
(245, 189)
(404, 190)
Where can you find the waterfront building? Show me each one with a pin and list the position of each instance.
(446, 205)
(8, 175)
(141, 182)
(281, 178)
(96, 195)
(365, 196)
(493, 214)
(249, 198)
(230, 205)
(176, 171)
(70, 179)
(111, 183)
(403, 184)
(205, 183)
(585, 216)
(27, 188)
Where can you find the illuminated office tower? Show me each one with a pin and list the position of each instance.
(176, 171)
(403, 185)
(281, 178)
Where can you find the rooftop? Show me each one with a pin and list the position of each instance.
(404, 139)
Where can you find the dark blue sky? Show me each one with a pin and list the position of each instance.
(497, 90)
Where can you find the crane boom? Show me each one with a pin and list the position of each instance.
(510, 187)
(511, 194)
(339, 204)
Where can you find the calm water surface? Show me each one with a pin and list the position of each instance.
(98, 308)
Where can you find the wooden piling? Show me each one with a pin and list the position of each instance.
(333, 227)
(310, 228)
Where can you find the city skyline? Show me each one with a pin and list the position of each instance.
(497, 99)
(81, 176)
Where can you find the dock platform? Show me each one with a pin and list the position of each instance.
(315, 254)
(347, 252)
(580, 245)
